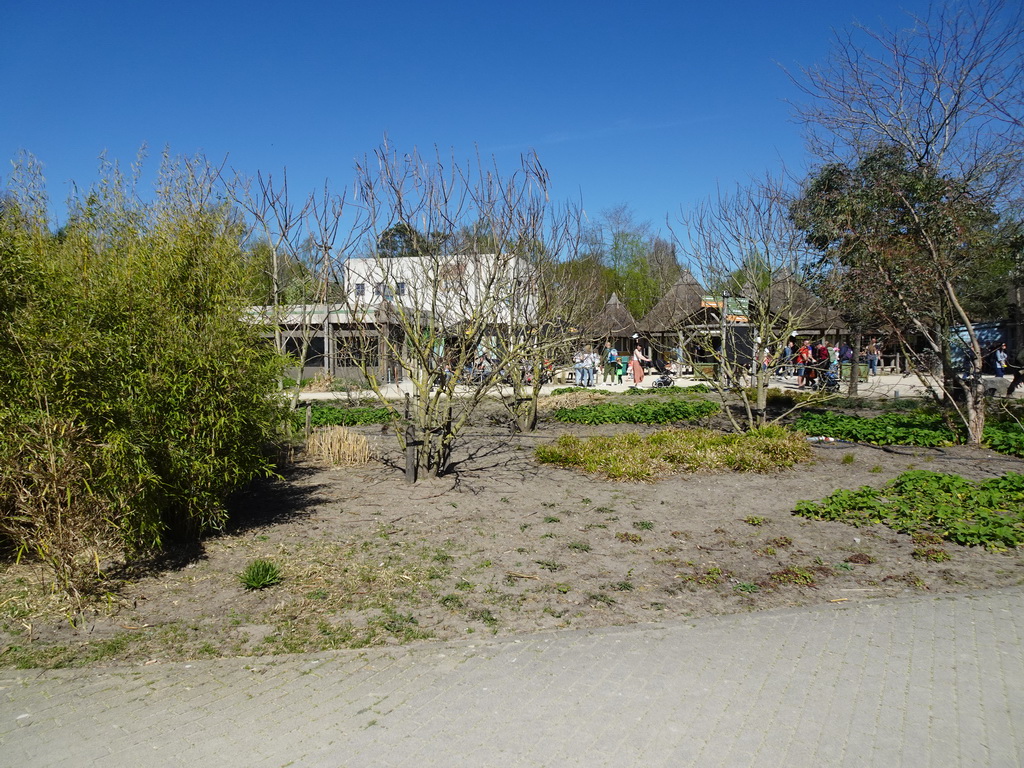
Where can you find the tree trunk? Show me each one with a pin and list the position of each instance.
(855, 365)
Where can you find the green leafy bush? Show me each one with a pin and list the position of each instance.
(640, 413)
(135, 394)
(990, 513)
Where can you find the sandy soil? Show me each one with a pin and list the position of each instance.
(504, 545)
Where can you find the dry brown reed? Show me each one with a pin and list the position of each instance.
(339, 446)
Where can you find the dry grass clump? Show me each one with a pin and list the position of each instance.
(635, 457)
(570, 400)
(339, 446)
(322, 382)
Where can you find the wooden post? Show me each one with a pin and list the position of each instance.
(309, 420)
(410, 454)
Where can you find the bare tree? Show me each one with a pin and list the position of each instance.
(948, 94)
(306, 241)
(744, 248)
(454, 323)
(948, 89)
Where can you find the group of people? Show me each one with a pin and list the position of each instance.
(809, 361)
(614, 367)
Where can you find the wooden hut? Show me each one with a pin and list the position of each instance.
(614, 323)
(673, 318)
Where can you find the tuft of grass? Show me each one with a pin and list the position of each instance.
(260, 574)
(794, 575)
(630, 538)
(641, 457)
(579, 546)
(643, 525)
(849, 458)
(755, 520)
(453, 602)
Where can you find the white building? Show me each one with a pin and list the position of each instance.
(385, 296)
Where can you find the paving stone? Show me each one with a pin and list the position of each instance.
(919, 681)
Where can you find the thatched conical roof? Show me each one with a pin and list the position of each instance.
(682, 301)
(613, 321)
(792, 302)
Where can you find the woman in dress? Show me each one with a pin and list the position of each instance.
(637, 361)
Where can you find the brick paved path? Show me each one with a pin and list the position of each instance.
(921, 681)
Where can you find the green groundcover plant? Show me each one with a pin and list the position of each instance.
(921, 429)
(989, 513)
(637, 457)
(334, 416)
(693, 389)
(638, 413)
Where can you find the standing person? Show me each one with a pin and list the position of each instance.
(611, 364)
(578, 362)
(1000, 359)
(1018, 372)
(872, 353)
(592, 362)
(785, 357)
(805, 365)
(637, 361)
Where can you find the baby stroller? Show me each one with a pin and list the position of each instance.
(665, 378)
(828, 379)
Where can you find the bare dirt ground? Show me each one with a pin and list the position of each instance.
(504, 545)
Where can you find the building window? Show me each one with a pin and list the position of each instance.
(360, 289)
(401, 289)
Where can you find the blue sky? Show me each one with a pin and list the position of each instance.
(649, 104)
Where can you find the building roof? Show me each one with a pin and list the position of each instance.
(682, 301)
(790, 301)
(614, 319)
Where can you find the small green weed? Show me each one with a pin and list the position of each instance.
(631, 538)
(754, 520)
(579, 546)
(747, 587)
(643, 525)
(484, 615)
(260, 574)
(931, 554)
(793, 575)
(549, 565)
(849, 458)
(453, 602)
